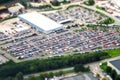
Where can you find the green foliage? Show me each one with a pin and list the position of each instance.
(72, 26)
(44, 6)
(7, 78)
(113, 74)
(71, 6)
(5, 1)
(41, 6)
(113, 52)
(110, 71)
(65, 2)
(82, 29)
(79, 67)
(101, 8)
(32, 77)
(117, 77)
(107, 21)
(19, 76)
(89, 2)
(90, 25)
(24, 2)
(55, 3)
(7, 18)
(50, 75)
(103, 66)
(37, 65)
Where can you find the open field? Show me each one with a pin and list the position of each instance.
(114, 52)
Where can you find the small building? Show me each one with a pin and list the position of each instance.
(16, 9)
(3, 9)
(115, 64)
(40, 22)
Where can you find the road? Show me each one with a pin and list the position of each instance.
(94, 67)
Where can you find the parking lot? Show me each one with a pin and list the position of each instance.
(76, 15)
(31, 43)
(59, 44)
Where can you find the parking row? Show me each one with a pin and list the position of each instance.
(83, 41)
(3, 37)
(80, 14)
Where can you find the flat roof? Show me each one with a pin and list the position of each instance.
(116, 63)
(2, 7)
(41, 21)
(117, 2)
(86, 76)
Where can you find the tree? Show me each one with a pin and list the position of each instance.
(117, 77)
(108, 69)
(24, 2)
(60, 72)
(11, 68)
(51, 74)
(43, 76)
(113, 74)
(19, 76)
(79, 67)
(91, 2)
(55, 3)
(32, 77)
(8, 78)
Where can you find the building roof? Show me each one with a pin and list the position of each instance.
(40, 20)
(15, 8)
(116, 2)
(87, 76)
(2, 7)
(116, 63)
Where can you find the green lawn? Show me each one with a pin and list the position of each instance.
(71, 6)
(113, 52)
(103, 65)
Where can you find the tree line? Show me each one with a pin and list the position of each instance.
(40, 65)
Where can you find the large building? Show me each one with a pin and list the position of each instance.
(40, 22)
(115, 64)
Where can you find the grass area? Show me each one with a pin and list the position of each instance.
(101, 8)
(103, 65)
(36, 78)
(54, 9)
(113, 52)
(68, 71)
(71, 6)
(65, 2)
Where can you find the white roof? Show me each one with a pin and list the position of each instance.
(22, 29)
(117, 2)
(41, 21)
(66, 20)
